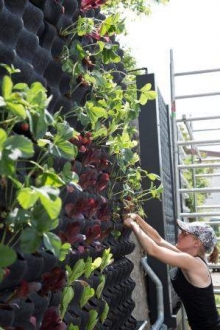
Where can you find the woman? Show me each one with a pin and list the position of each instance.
(192, 280)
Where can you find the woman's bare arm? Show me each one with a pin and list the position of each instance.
(162, 253)
(151, 232)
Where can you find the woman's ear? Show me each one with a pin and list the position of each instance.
(197, 243)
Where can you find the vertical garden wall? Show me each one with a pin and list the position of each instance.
(68, 167)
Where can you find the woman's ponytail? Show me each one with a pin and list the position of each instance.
(213, 257)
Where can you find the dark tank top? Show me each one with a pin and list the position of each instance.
(199, 303)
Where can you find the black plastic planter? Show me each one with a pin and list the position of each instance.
(7, 55)
(25, 68)
(53, 73)
(16, 274)
(32, 18)
(52, 11)
(7, 315)
(49, 261)
(47, 36)
(40, 306)
(34, 267)
(16, 7)
(38, 3)
(57, 47)
(40, 60)
(23, 313)
(26, 46)
(30, 39)
(56, 298)
(10, 28)
(83, 315)
(70, 8)
(70, 317)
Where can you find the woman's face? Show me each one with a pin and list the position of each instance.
(186, 241)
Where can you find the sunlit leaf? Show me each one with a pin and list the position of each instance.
(27, 197)
(67, 296)
(7, 86)
(93, 319)
(77, 271)
(104, 313)
(87, 293)
(21, 144)
(100, 287)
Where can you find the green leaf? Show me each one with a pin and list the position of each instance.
(87, 293)
(71, 327)
(53, 207)
(3, 138)
(17, 218)
(27, 197)
(10, 68)
(106, 259)
(153, 176)
(85, 25)
(64, 250)
(41, 221)
(16, 109)
(96, 263)
(7, 166)
(38, 124)
(99, 112)
(16, 182)
(43, 142)
(69, 176)
(116, 233)
(30, 240)
(49, 178)
(53, 243)
(21, 87)
(8, 256)
(50, 201)
(102, 132)
(63, 149)
(112, 25)
(19, 146)
(65, 131)
(100, 287)
(146, 94)
(77, 271)
(7, 86)
(36, 95)
(88, 267)
(93, 319)
(104, 313)
(2, 274)
(2, 102)
(67, 296)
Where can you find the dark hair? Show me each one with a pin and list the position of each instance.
(213, 257)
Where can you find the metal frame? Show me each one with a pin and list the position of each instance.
(197, 161)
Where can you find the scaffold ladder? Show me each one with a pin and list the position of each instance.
(210, 211)
(179, 144)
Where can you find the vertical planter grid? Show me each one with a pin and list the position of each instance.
(30, 40)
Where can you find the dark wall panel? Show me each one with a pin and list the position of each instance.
(155, 150)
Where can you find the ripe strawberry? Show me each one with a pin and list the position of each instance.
(24, 127)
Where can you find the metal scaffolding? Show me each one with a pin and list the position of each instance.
(192, 156)
(186, 144)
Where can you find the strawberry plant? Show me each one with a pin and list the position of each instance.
(31, 208)
(64, 190)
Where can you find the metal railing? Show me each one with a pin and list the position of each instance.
(195, 148)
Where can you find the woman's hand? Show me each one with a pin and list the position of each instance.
(128, 222)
